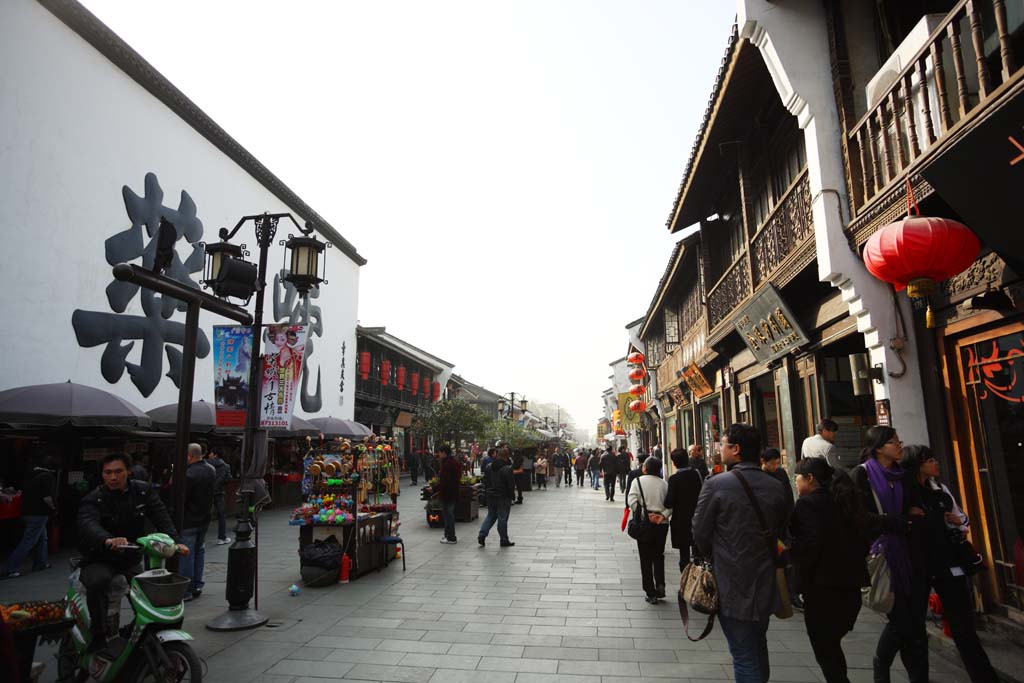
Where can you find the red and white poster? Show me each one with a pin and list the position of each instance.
(282, 355)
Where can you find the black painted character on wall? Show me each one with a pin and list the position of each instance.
(154, 327)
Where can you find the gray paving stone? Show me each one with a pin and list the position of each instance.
(467, 676)
(302, 667)
(412, 646)
(489, 650)
(709, 671)
(381, 672)
(556, 678)
(458, 637)
(363, 656)
(440, 661)
(518, 665)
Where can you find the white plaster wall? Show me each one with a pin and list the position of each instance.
(793, 40)
(73, 130)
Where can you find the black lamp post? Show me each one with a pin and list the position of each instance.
(230, 276)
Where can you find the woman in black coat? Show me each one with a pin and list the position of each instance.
(683, 491)
(948, 566)
(829, 548)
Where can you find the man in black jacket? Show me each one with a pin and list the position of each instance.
(110, 517)
(625, 460)
(200, 483)
(219, 498)
(501, 489)
(610, 470)
(37, 505)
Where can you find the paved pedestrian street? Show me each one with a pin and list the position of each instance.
(563, 606)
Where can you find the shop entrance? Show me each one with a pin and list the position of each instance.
(988, 415)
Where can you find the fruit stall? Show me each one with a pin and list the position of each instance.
(31, 622)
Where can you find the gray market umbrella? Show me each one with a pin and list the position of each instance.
(57, 405)
(332, 426)
(300, 427)
(204, 417)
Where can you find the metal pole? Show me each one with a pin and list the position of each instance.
(184, 425)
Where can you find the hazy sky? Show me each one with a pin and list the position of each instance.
(505, 167)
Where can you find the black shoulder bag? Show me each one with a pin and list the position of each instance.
(640, 526)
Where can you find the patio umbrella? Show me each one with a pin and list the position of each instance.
(300, 427)
(204, 417)
(65, 403)
(332, 426)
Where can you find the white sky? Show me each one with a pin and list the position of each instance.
(505, 167)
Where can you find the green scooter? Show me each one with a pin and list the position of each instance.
(150, 649)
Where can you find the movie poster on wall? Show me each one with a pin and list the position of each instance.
(284, 347)
(232, 356)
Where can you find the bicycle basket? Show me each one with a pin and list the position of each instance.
(164, 591)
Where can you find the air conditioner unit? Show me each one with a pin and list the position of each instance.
(879, 85)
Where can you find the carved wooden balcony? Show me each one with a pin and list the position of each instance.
(948, 83)
(787, 236)
(729, 292)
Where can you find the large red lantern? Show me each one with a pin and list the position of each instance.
(637, 390)
(414, 382)
(637, 373)
(385, 372)
(636, 358)
(918, 252)
(638, 406)
(426, 387)
(400, 377)
(364, 364)
(435, 393)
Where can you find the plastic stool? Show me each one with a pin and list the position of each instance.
(393, 540)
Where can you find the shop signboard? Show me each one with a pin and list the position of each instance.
(768, 327)
(698, 383)
(282, 367)
(630, 420)
(232, 356)
(980, 177)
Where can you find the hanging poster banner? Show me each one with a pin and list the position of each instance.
(282, 367)
(232, 357)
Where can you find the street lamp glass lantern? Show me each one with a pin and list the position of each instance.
(522, 405)
(216, 255)
(304, 256)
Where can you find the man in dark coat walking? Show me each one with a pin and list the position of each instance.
(448, 489)
(625, 460)
(610, 470)
(200, 484)
(501, 488)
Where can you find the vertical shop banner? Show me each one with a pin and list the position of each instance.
(282, 367)
(232, 357)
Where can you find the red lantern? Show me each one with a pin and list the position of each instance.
(918, 252)
(635, 358)
(637, 390)
(364, 364)
(414, 382)
(385, 372)
(435, 394)
(426, 387)
(638, 406)
(400, 377)
(637, 373)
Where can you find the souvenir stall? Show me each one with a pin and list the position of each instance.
(349, 493)
(471, 492)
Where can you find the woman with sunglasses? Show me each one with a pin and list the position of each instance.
(948, 565)
(893, 515)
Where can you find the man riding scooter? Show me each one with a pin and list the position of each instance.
(108, 517)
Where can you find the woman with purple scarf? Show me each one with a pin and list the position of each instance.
(893, 513)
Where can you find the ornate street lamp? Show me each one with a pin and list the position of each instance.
(305, 272)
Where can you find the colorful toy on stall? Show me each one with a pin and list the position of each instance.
(293, 590)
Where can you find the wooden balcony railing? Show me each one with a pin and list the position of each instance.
(787, 228)
(948, 79)
(730, 290)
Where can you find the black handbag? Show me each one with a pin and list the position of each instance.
(640, 526)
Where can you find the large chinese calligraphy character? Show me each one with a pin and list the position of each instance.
(290, 308)
(159, 334)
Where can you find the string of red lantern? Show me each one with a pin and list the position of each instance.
(636, 359)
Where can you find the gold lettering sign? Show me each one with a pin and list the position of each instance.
(767, 327)
(695, 379)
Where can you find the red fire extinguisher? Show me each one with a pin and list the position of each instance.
(346, 567)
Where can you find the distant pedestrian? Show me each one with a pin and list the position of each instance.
(220, 494)
(540, 470)
(625, 463)
(498, 480)
(945, 526)
(412, 463)
(518, 475)
(448, 489)
(200, 480)
(649, 491)
(727, 528)
(580, 466)
(697, 461)
(823, 444)
(683, 491)
(656, 451)
(829, 548)
(634, 473)
(896, 527)
(38, 503)
(771, 462)
(610, 470)
(560, 461)
(594, 469)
